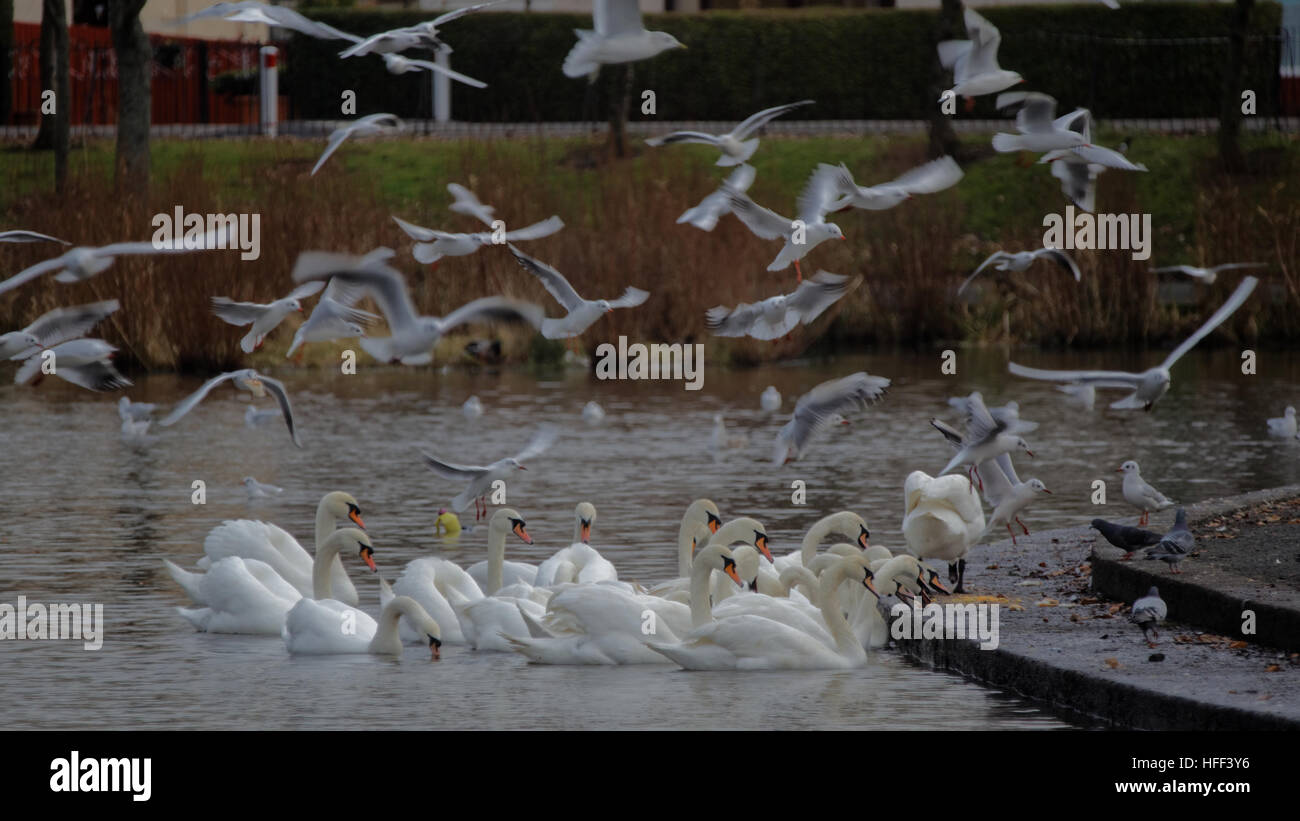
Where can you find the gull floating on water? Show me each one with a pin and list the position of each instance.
(431, 245)
(334, 317)
(776, 316)
(1176, 544)
(582, 313)
(1206, 275)
(29, 236)
(929, 178)
(263, 317)
(593, 413)
(1284, 425)
(246, 379)
(472, 408)
(815, 409)
(814, 202)
(413, 336)
(367, 126)
(83, 362)
(1148, 612)
(974, 62)
(736, 145)
(705, 216)
(257, 490)
(84, 262)
(770, 399)
(1139, 493)
(1020, 261)
(620, 37)
(54, 327)
(1147, 387)
(479, 478)
(255, 418)
(1040, 129)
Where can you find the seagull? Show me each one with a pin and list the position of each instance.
(770, 399)
(986, 438)
(1140, 494)
(246, 379)
(736, 145)
(1149, 611)
(481, 478)
(1206, 275)
(413, 336)
(257, 490)
(929, 178)
(721, 439)
(397, 64)
(802, 235)
(419, 35)
(467, 202)
(134, 411)
(136, 432)
(776, 316)
(367, 126)
(472, 408)
(813, 411)
(582, 313)
(254, 12)
(1004, 491)
(1176, 544)
(431, 246)
(1284, 425)
(254, 417)
(84, 262)
(263, 318)
(29, 236)
(620, 37)
(1126, 538)
(53, 327)
(974, 62)
(1008, 413)
(1077, 168)
(1021, 261)
(334, 317)
(1040, 129)
(592, 413)
(705, 216)
(83, 362)
(1147, 387)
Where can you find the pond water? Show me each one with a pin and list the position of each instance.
(88, 519)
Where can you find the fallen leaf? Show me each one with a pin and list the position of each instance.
(1237, 645)
(1273, 668)
(1112, 663)
(1047, 603)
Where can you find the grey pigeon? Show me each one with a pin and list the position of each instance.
(1149, 611)
(1176, 544)
(1124, 537)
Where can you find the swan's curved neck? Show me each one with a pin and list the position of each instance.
(815, 536)
(801, 578)
(386, 638)
(496, 560)
(701, 604)
(325, 524)
(320, 568)
(845, 642)
(685, 534)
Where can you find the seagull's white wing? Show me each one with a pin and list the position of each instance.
(1228, 266)
(554, 282)
(455, 75)
(631, 298)
(762, 118)
(1110, 379)
(536, 231)
(28, 274)
(996, 256)
(1234, 302)
(95, 376)
(494, 309)
(684, 137)
(416, 232)
(819, 292)
(461, 12)
(237, 313)
(818, 195)
(539, 444)
(1037, 113)
(765, 223)
(1062, 259)
(62, 324)
(336, 139)
(1009, 470)
(187, 404)
(468, 204)
(813, 410)
(997, 485)
(29, 236)
(931, 177)
(276, 387)
(383, 283)
(1078, 121)
(613, 17)
(985, 39)
(307, 289)
(980, 424)
(453, 472)
(724, 321)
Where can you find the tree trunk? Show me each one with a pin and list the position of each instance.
(134, 64)
(6, 59)
(53, 132)
(943, 140)
(1230, 108)
(619, 105)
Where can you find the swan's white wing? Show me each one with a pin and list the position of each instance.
(996, 256)
(1234, 302)
(454, 472)
(684, 137)
(237, 313)
(762, 118)
(1111, 379)
(537, 230)
(631, 298)
(62, 324)
(614, 17)
(821, 190)
(494, 308)
(765, 223)
(187, 404)
(28, 274)
(466, 202)
(551, 279)
(29, 236)
(539, 444)
(931, 177)
(820, 291)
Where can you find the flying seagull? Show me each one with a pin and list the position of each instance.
(974, 62)
(83, 362)
(705, 216)
(84, 262)
(334, 317)
(420, 35)
(620, 37)
(367, 126)
(1021, 261)
(1039, 127)
(479, 478)
(776, 316)
(1147, 387)
(929, 178)
(736, 145)
(800, 236)
(54, 327)
(263, 317)
(1206, 275)
(431, 246)
(986, 437)
(815, 409)
(582, 313)
(246, 379)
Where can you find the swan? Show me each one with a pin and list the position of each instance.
(846, 523)
(942, 519)
(604, 624)
(742, 529)
(265, 542)
(752, 642)
(700, 512)
(326, 626)
(248, 596)
(579, 562)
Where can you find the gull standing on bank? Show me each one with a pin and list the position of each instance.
(1140, 494)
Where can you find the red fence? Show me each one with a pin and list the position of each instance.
(194, 81)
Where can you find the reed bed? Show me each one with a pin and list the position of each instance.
(621, 230)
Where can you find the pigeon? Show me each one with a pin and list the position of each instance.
(263, 317)
(736, 146)
(1126, 538)
(1176, 544)
(1148, 612)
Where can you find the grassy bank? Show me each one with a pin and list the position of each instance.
(621, 230)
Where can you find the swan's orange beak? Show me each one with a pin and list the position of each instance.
(937, 585)
(522, 533)
(870, 583)
(355, 516)
(714, 523)
(729, 567)
(368, 556)
(761, 544)
(585, 532)
(864, 539)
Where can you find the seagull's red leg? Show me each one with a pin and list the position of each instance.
(1012, 532)
(1022, 525)
(798, 273)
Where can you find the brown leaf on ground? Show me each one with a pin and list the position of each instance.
(1112, 663)
(1237, 645)
(1273, 668)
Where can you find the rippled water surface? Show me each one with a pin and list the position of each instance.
(88, 519)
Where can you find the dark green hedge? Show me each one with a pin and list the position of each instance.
(865, 64)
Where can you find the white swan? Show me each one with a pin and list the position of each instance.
(265, 542)
(751, 642)
(579, 562)
(700, 512)
(318, 627)
(846, 523)
(942, 518)
(248, 596)
(742, 529)
(485, 619)
(604, 624)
